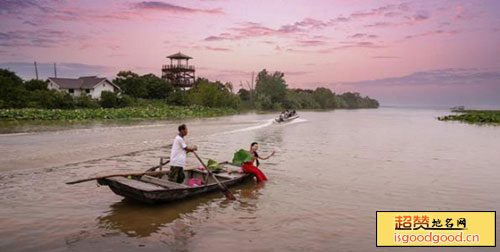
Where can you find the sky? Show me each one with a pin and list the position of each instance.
(422, 53)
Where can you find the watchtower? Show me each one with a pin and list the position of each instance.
(179, 73)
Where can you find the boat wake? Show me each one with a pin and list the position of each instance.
(265, 123)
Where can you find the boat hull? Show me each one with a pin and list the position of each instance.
(289, 119)
(156, 194)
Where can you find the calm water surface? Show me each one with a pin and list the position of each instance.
(332, 171)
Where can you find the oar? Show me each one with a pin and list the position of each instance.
(151, 173)
(229, 195)
(159, 166)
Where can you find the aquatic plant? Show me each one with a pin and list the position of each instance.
(474, 116)
(164, 112)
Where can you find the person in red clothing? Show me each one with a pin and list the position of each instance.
(249, 167)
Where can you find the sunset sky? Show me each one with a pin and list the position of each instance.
(399, 52)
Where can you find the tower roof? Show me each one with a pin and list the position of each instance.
(179, 55)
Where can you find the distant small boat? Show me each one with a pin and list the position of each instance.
(149, 189)
(458, 108)
(288, 119)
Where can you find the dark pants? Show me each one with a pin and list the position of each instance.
(176, 174)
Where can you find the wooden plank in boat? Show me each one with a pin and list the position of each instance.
(162, 182)
(137, 184)
(231, 166)
(224, 175)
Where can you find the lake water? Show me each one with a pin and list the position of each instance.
(332, 171)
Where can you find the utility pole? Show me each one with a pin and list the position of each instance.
(252, 79)
(252, 91)
(36, 71)
(55, 71)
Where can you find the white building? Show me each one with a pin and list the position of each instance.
(91, 85)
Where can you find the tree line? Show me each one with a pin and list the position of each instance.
(136, 90)
(271, 92)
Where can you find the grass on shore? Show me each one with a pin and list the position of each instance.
(163, 112)
(474, 116)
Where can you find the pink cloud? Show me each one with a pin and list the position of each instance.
(168, 7)
(363, 35)
(431, 33)
(219, 49)
(465, 13)
(38, 38)
(311, 42)
(350, 45)
(253, 29)
(390, 10)
(385, 57)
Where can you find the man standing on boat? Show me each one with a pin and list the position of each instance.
(178, 155)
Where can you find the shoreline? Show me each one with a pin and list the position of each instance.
(167, 112)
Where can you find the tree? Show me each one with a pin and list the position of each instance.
(33, 85)
(157, 88)
(148, 86)
(264, 102)
(131, 84)
(212, 94)
(11, 75)
(12, 92)
(300, 99)
(244, 94)
(324, 97)
(353, 100)
(270, 88)
(229, 86)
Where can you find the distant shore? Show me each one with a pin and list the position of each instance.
(474, 116)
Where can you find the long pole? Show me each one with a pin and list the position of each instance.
(229, 195)
(36, 71)
(252, 90)
(252, 79)
(55, 71)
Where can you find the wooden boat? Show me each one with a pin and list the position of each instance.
(159, 189)
(289, 119)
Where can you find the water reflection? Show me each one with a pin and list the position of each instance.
(249, 198)
(135, 219)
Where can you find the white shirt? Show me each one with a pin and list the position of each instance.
(178, 152)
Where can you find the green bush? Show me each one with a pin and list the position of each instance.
(213, 94)
(125, 101)
(178, 97)
(86, 101)
(33, 85)
(108, 99)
